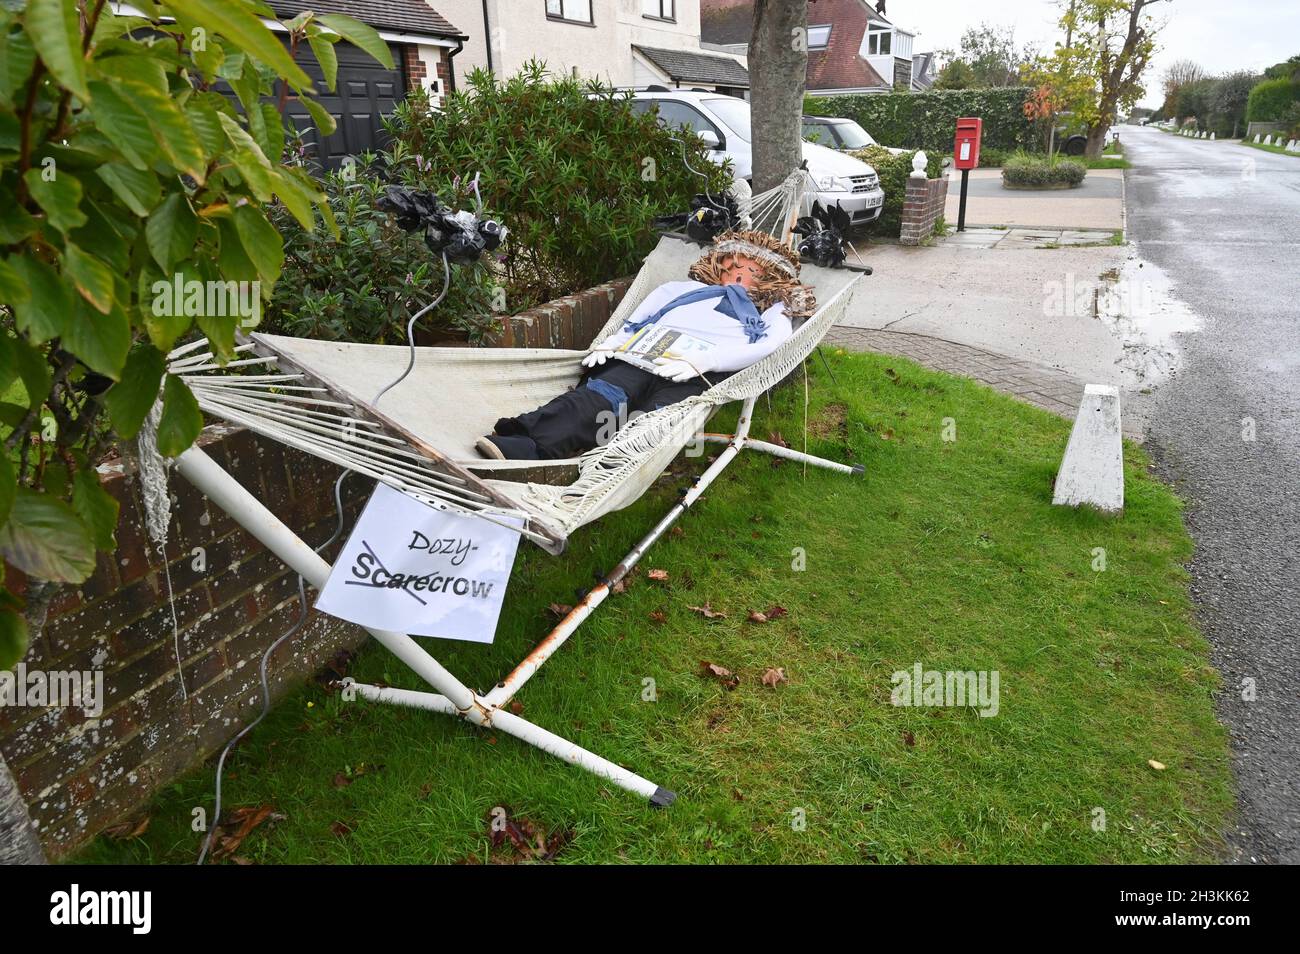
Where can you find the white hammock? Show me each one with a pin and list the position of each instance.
(419, 438)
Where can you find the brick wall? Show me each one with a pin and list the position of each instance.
(922, 208)
(232, 599)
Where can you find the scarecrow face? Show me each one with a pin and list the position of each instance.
(739, 270)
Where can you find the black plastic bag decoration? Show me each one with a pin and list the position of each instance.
(462, 235)
(709, 217)
(823, 235)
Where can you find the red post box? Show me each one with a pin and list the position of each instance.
(966, 147)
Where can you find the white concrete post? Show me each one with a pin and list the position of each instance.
(1092, 471)
(918, 166)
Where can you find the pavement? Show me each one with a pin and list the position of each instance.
(990, 237)
(1098, 203)
(1222, 221)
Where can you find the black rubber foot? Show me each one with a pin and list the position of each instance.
(859, 469)
(662, 798)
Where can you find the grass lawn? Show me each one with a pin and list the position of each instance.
(1279, 150)
(947, 554)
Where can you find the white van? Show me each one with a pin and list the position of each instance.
(723, 123)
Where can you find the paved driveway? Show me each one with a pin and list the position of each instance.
(1096, 204)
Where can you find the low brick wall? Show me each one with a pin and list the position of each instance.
(232, 599)
(922, 208)
(569, 322)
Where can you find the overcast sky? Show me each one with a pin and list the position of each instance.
(1221, 36)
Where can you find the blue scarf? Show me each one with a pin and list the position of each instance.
(734, 303)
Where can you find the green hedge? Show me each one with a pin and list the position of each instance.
(893, 171)
(1025, 170)
(1271, 100)
(929, 120)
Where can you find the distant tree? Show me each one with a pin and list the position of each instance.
(955, 74)
(1227, 101)
(1288, 70)
(993, 56)
(1100, 71)
(1179, 74)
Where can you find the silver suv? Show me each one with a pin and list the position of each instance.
(723, 123)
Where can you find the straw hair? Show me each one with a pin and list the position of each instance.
(780, 265)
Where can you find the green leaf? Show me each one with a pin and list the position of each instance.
(207, 127)
(262, 243)
(43, 315)
(60, 197)
(358, 34)
(46, 539)
(33, 369)
(55, 31)
(91, 276)
(100, 341)
(139, 190)
(171, 130)
(13, 638)
(239, 25)
(323, 46)
(12, 287)
(181, 418)
(130, 399)
(16, 223)
(297, 197)
(325, 123)
(232, 259)
(162, 308)
(124, 125)
(17, 56)
(171, 231)
(248, 158)
(96, 506)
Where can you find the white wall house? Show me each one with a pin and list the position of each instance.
(626, 43)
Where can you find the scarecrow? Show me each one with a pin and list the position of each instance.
(736, 309)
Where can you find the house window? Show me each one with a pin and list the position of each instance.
(577, 11)
(659, 9)
(878, 41)
(819, 36)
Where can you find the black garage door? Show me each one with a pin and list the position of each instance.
(365, 92)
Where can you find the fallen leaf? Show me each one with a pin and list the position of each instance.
(620, 585)
(128, 829)
(341, 780)
(707, 611)
(887, 434)
(909, 739)
(775, 438)
(1158, 766)
(776, 612)
(756, 617)
(559, 610)
(239, 824)
(659, 616)
(241, 860)
(725, 676)
(659, 576)
(517, 707)
(774, 677)
(676, 532)
(341, 829)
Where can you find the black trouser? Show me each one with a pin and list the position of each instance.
(591, 413)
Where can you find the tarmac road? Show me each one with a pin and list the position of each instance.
(1223, 221)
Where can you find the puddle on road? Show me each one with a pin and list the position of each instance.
(1136, 303)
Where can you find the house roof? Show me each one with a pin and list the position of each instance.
(726, 21)
(839, 65)
(401, 16)
(922, 64)
(689, 66)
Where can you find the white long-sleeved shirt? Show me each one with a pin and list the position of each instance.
(732, 349)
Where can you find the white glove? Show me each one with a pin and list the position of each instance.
(678, 370)
(597, 357)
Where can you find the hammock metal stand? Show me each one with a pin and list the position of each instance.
(453, 697)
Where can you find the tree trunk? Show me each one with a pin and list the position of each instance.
(18, 842)
(778, 63)
(1096, 140)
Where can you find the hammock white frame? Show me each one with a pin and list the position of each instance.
(450, 695)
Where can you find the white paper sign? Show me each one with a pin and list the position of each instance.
(412, 569)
